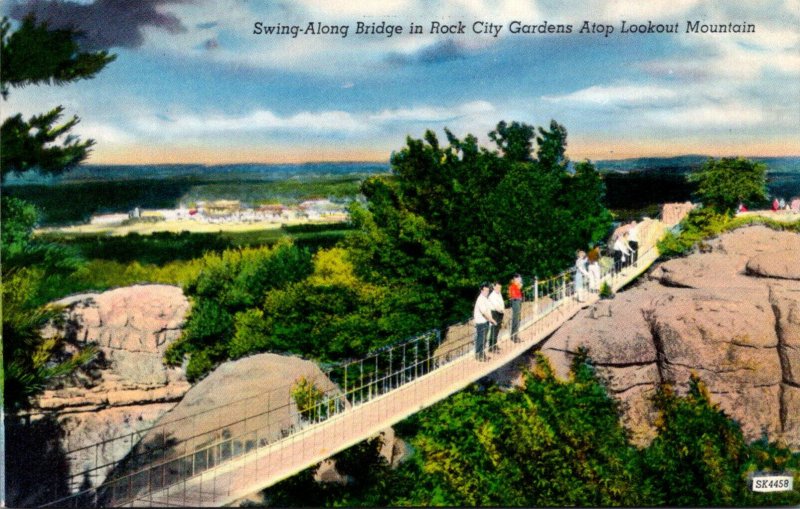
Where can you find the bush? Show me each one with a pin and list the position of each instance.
(308, 397)
(226, 289)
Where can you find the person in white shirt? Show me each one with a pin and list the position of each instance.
(633, 241)
(482, 315)
(581, 275)
(621, 252)
(498, 306)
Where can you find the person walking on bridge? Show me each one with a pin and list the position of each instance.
(621, 252)
(498, 306)
(633, 241)
(515, 296)
(482, 315)
(581, 275)
(594, 269)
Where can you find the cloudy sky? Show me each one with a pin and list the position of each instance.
(193, 83)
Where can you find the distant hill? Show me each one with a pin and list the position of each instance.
(200, 172)
(685, 164)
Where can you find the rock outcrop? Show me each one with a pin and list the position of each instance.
(101, 409)
(732, 316)
(673, 213)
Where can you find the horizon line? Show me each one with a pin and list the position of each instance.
(388, 163)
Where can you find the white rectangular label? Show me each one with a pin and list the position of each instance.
(773, 483)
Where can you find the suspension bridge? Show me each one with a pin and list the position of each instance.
(254, 444)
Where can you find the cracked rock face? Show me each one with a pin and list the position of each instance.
(127, 387)
(732, 316)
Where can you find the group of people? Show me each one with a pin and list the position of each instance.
(778, 204)
(626, 245)
(587, 272)
(488, 315)
(781, 204)
(490, 306)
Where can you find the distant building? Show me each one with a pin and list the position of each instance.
(222, 207)
(109, 219)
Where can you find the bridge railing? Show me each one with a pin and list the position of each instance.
(180, 449)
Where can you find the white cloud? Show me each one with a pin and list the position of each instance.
(432, 114)
(328, 122)
(104, 134)
(258, 121)
(616, 95)
(709, 116)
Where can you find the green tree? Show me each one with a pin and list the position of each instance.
(308, 398)
(552, 147)
(33, 55)
(30, 55)
(697, 457)
(453, 215)
(584, 198)
(330, 315)
(723, 184)
(227, 289)
(29, 269)
(515, 141)
(552, 443)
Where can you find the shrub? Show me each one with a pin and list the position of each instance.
(308, 397)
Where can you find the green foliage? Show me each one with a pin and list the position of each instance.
(226, 285)
(723, 184)
(605, 291)
(29, 360)
(451, 216)
(29, 269)
(307, 396)
(552, 149)
(18, 220)
(697, 451)
(31, 144)
(515, 141)
(330, 315)
(553, 443)
(33, 54)
(704, 223)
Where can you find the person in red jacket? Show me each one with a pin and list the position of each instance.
(515, 296)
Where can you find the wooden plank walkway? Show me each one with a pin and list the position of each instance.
(270, 464)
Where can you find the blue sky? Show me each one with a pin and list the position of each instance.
(192, 83)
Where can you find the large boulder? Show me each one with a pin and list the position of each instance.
(253, 393)
(241, 405)
(713, 270)
(614, 331)
(100, 409)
